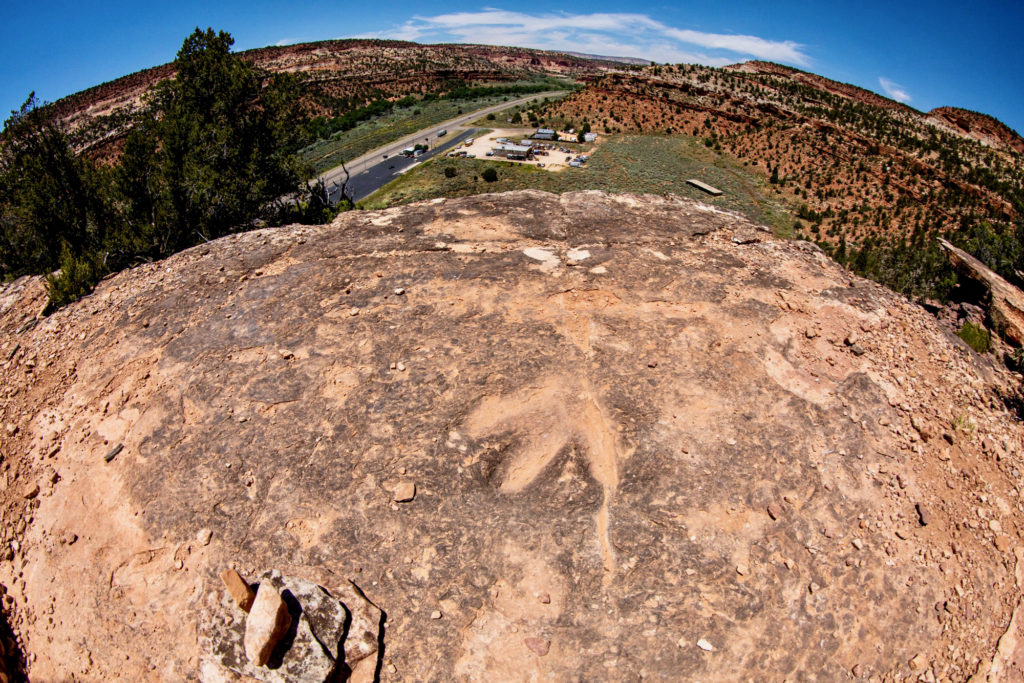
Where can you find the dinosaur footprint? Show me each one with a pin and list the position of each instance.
(546, 417)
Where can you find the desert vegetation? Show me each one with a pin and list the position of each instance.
(218, 142)
(870, 180)
(646, 164)
(211, 152)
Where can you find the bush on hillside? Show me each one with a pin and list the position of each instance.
(976, 336)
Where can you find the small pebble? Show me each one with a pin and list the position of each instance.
(923, 515)
(404, 492)
(539, 646)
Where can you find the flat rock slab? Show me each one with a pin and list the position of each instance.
(599, 443)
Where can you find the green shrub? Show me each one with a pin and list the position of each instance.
(450, 172)
(77, 277)
(976, 336)
(489, 175)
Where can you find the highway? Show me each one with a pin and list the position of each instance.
(378, 167)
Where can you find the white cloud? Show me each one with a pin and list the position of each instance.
(617, 34)
(894, 90)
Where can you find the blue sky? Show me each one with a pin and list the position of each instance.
(928, 54)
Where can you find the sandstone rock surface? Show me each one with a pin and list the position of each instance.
(607, 432)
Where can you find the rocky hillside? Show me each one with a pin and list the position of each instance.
(348, 69)
(981, 127)
(863, 173)
(871, 180)
(515, 437)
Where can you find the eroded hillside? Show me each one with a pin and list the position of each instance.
(864, 174)
(335, 75)
(582, 437)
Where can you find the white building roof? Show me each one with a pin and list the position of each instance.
(513, 148)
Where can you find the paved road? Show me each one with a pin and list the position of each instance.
(382, 171)
(378, 167)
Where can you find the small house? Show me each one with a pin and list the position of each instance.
(544, 134)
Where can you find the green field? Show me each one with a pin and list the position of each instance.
(396, 124)
(629, 163)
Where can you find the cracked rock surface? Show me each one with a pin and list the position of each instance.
(639, 443)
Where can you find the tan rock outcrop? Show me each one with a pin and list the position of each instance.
(597, 445)
(1006, 303)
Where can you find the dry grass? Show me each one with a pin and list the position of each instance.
(630, 163)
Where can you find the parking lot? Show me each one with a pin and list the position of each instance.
(550, 155)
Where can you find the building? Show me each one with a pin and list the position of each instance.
(545, 134)
(713, 191)
(514, 152)
(589, 137)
